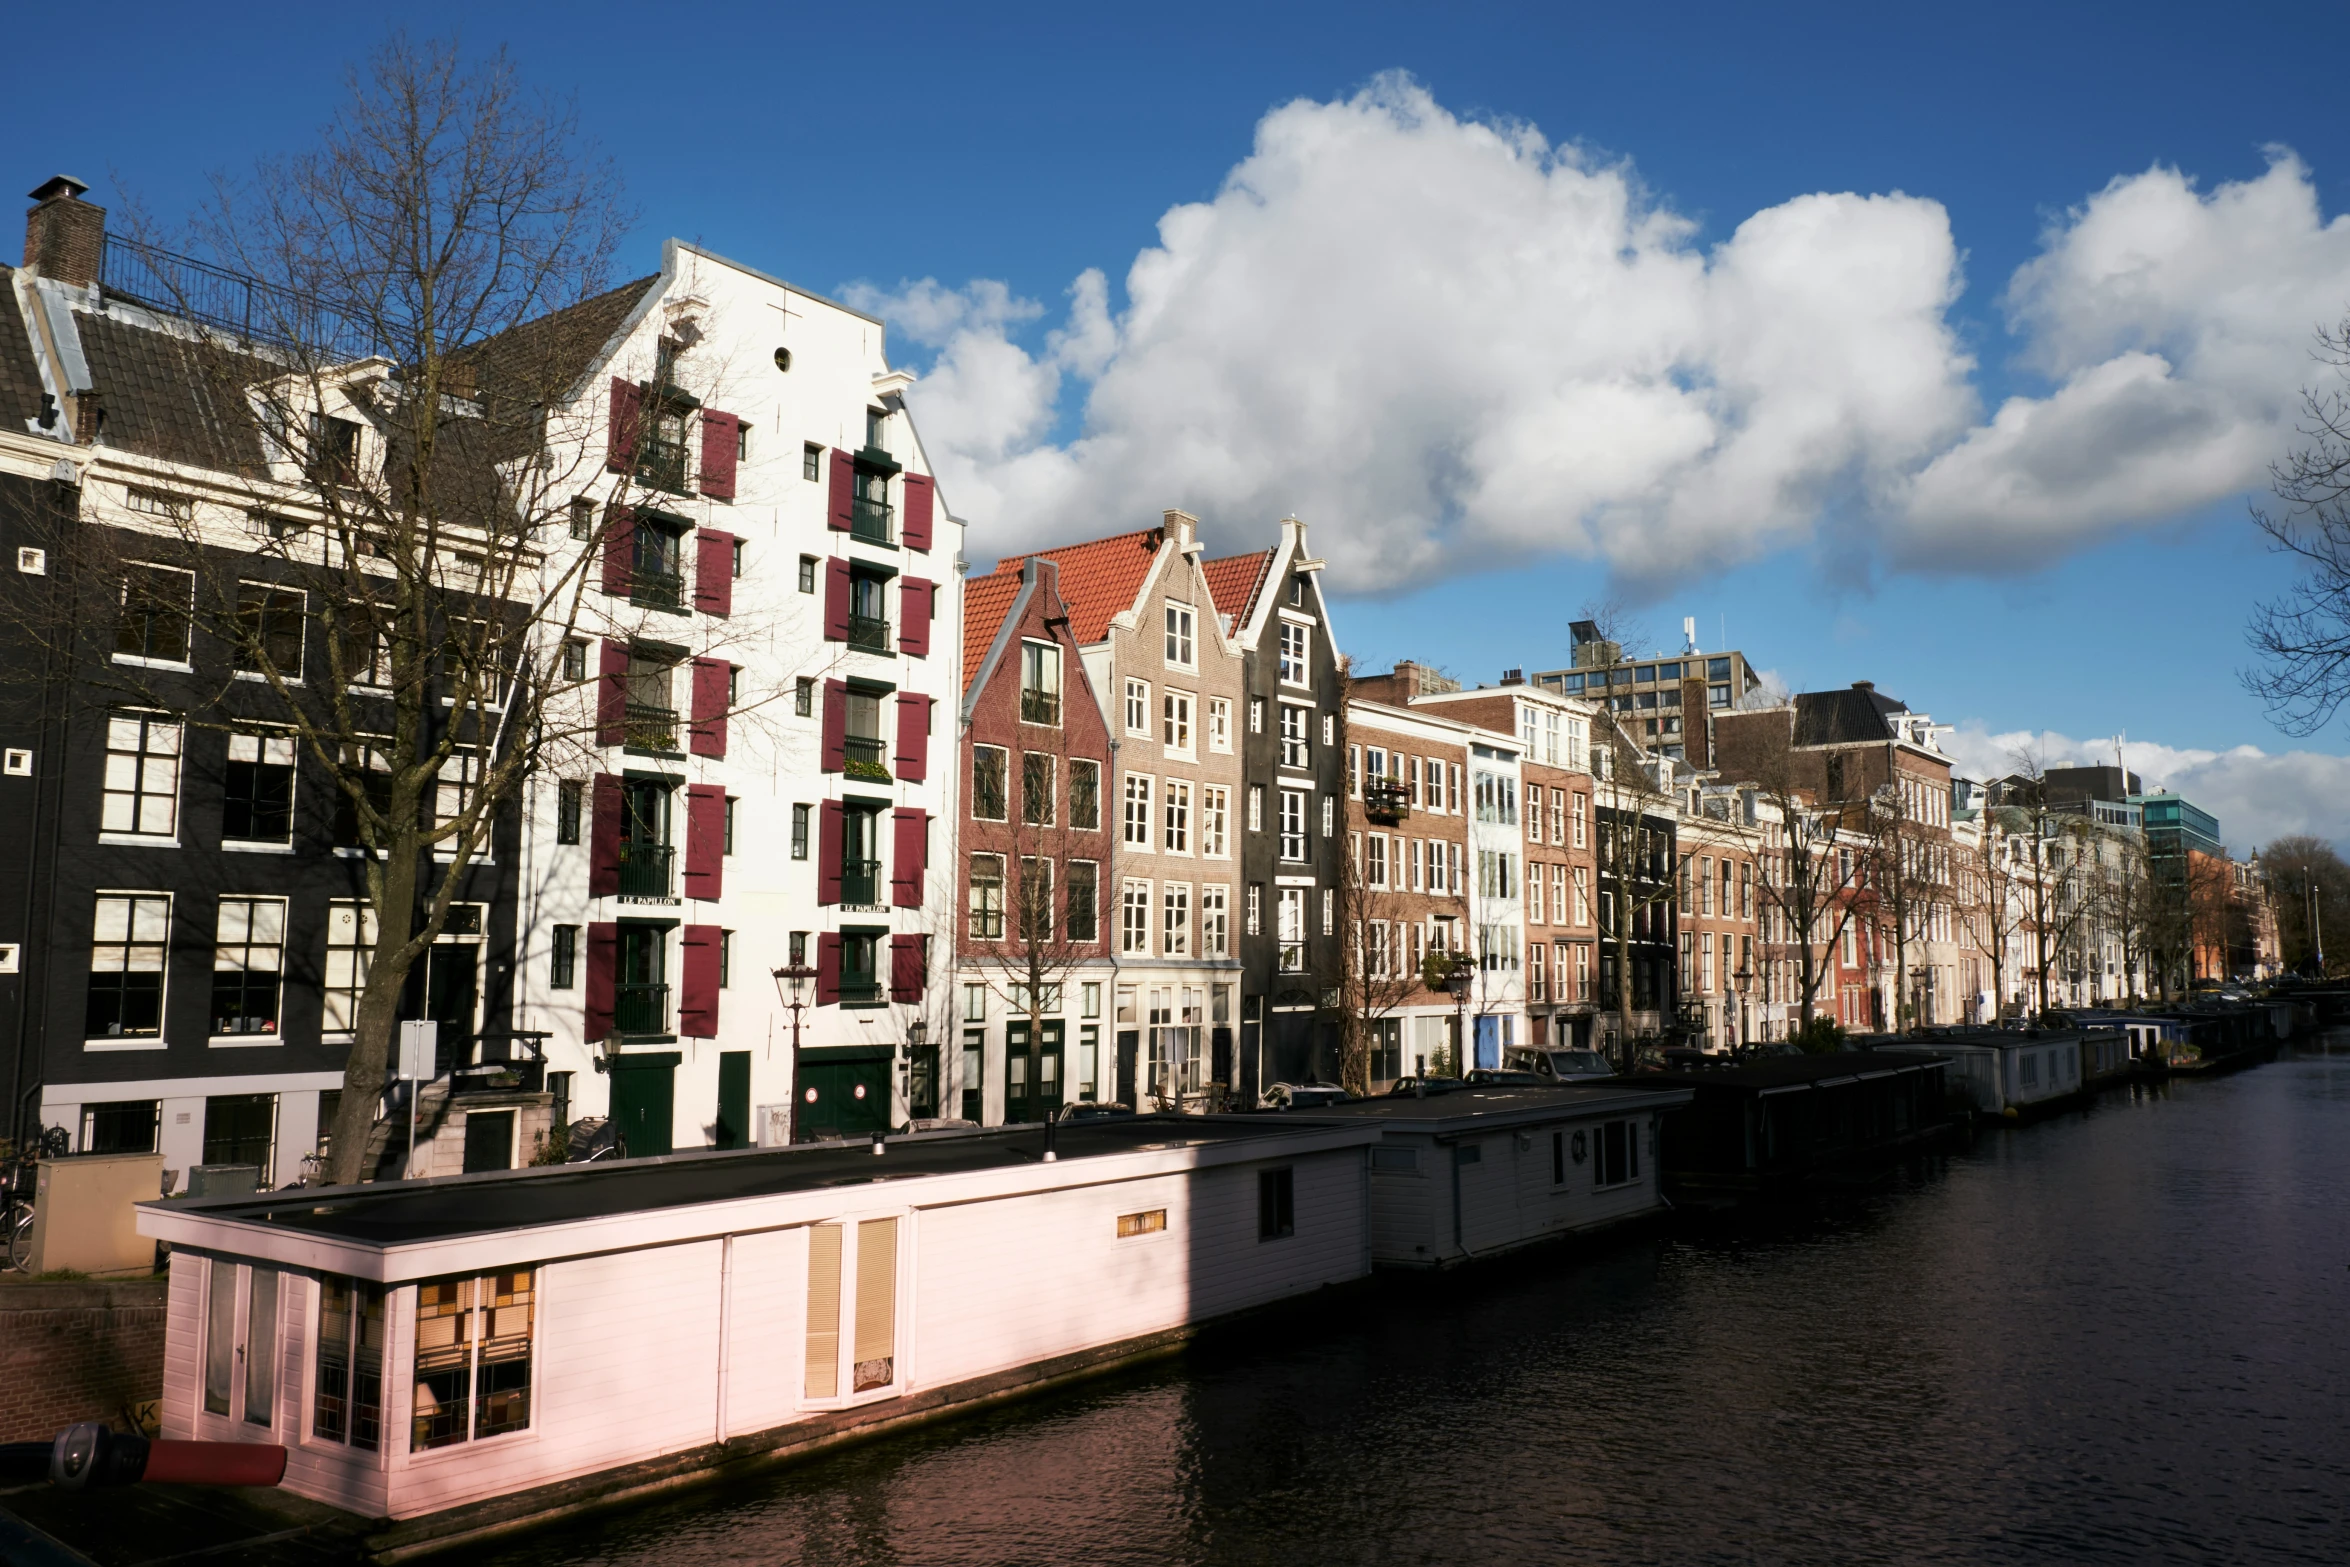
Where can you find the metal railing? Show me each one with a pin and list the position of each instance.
(860, 882)
(870, 521)
(639, 1008)
(1039, 707)
(1387, 798)
(865, 758)
(869, 633)
(230, 302)
(660, 463)
(652, 728)
(644, 870)
(657, 590)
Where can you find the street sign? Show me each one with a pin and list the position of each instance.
(419, 1044)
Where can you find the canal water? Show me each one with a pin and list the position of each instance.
(2121, 1335)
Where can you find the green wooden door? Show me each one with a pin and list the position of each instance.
(644, 1102)
(1033, 1085)
(734, 1099)
(840, 1096)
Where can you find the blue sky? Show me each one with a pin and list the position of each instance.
(869, 151)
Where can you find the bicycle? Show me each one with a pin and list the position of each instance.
(23, 1177)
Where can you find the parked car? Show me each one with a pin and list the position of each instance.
(1304, 1096)
(1565, 1066)
(1419, 1087)
(1507, 1077)
(1090, 1110)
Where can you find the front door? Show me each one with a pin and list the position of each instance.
(644, 1102)
(1032, 1072)
(451, 982)
(840, 1099)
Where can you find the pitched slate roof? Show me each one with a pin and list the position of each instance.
(20, 377)
(170, 397)
(985, 601)
(1853, 716)
(538, 361)
(1099, 578)
(1235, 581)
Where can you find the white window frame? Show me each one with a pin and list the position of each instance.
(1220, 724)
(1181, 643)
(1215, 821)
(141, 762)
(1177, 733)
(1138, 828)
(1138, 708)
(1175, 814)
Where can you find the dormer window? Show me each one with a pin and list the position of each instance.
(334, 450)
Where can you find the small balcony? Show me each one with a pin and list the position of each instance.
(872, 522)
(864, 757)
(661, 464)
(657, 590)
(1386, 799)
(860, 883)
(652, 728)
(869, 633)
(644, 870)
(1040, 707)
(640, 1008)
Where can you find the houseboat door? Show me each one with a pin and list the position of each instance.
(644, 1101)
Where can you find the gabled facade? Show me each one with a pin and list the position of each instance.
(1033, 861)
(770, 784)
(1171, 685)
(1293, 756)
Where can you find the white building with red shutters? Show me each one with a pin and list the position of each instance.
(757, 640)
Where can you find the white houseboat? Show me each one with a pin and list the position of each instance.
(461, 1356)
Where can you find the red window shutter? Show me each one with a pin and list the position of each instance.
(619, 551)
(909, 857)
(603, 967)
(711, 677)
(844, 492)
(705, 840)
(719, 441)
(915, 599)
(714, 572)
(913, 757)
(914, 527)
(829, 832)
(828, 968)
(836, 601)
(697, 989)
(836, 725)
(905, 968)
(604, 837)
(612, 695)
(620, 440)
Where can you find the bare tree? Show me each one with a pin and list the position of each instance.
(2309, 886)
(2302, 637)
(1902, 881)
(1379, 978)
(399, 450)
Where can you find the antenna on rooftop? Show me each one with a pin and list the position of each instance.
(1688, 633)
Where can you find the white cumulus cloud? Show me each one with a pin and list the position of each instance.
(1450, 342)
(2258, 796)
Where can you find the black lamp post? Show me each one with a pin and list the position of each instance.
(1745, 978)
(791, 987)
(1460, 980)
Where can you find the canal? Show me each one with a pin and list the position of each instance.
(2122, 1335)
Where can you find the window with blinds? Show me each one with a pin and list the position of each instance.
(877, 1304)
(823, 1374)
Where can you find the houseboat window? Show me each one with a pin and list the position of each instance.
(823, 1377)
(349, 1405)
(1616, 1155)
(261, 1346)
(473, 1342)
(877, 1305)
(1558, 1158)
(1276, 1204)
(1142, 1223)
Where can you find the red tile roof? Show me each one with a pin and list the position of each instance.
(985, 602)
(1099, 578)
(1235, 581)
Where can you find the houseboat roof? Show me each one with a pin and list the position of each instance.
(393, 1214)
(1777, 1074)
(1500, 1104)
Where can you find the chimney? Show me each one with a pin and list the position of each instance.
(1183, 527)
(1513, 677)
(1864, 685)
(63, 234)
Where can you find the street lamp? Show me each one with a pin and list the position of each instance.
(1460, 980)
(1745, 979)
(791, 987)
